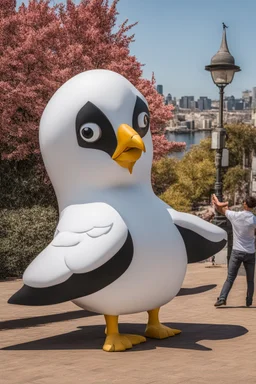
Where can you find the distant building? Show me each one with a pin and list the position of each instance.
(206, 123)
(246, 94)
(215, 104)
(248, 103)
(181, 117)
(247, 99)
(193, 104)
(232, 104)
(181, 102)
(204, 103)
(229, 103)
(168, 99)
(185, 102)
(249, 163)
(254, 97)
(190, 124)
(254, 118)
(252, 186)
(190, 101)
(200, 104)
(172, 123)
(160, 89)
(239, 104)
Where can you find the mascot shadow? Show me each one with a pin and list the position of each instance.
(92, 337)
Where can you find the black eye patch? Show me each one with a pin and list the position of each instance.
(140, 119)
(89, 113)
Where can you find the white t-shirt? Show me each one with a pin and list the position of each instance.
(243, 224)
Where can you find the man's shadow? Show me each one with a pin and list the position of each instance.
(236, 306)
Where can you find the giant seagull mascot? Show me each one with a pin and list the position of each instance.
(117, 249)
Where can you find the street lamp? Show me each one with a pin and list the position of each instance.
(222, 69)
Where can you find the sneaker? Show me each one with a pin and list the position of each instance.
(220, 302)
(248, 301)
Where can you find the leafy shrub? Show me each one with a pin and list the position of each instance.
(235, 183)
(24, 233)
(25, 184)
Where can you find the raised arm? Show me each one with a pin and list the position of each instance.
(221, 207)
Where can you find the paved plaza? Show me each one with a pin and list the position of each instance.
(61, 344)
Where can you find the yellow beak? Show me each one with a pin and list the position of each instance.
(129, 147)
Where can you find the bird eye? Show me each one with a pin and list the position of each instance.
(143, 120)
(90, 132)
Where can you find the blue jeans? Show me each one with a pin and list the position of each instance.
(236, 259)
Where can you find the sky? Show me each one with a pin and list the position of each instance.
(175, 39)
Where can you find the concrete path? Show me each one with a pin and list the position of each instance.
(62, 344)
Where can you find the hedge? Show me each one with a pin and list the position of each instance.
(24, 233)
(25, 184)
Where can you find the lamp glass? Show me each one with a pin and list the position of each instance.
(222, 76)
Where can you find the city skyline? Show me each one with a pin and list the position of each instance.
(247, 101)
(175, 40)
(226, 95)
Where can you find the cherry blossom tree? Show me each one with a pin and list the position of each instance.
(42, 46)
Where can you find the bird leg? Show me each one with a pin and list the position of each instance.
(115, 341)
(155, 329)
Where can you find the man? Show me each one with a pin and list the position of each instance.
(243, 251)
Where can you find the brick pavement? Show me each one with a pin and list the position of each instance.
(62, 344)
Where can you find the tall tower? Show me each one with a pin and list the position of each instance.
(159, 89)
(254, 97)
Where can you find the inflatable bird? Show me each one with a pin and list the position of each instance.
(117, 249)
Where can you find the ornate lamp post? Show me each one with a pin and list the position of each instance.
(222, 69)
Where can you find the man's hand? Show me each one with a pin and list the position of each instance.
(216, 202)
(221, 207)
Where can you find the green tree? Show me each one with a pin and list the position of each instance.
(234, 183)
(164, 174)
(241, 139)
(177, 199)
(195, 174)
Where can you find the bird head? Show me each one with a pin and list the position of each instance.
(95, 133)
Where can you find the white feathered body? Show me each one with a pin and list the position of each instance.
(159, 262)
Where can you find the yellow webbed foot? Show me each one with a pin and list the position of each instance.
(117, 342)
(155, 329)
(160, 331)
